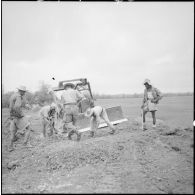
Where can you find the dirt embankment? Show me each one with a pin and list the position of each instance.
(130, 161)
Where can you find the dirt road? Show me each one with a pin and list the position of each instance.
(130, 161)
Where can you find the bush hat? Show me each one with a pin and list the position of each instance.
(22, 88)
(69, 85)
(88, 112)
(53, 105)
(147, 81)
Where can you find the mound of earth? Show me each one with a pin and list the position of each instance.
(130, 161)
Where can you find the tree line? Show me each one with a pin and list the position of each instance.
(137, 95)
(42, 97)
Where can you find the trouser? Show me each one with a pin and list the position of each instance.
(22, 124)
(95, 121)
(71, 113)
(48, 127)
(150, 107)
(153, 116)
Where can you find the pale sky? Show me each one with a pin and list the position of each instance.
(114, 45)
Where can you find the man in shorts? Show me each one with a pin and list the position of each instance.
(151, 98)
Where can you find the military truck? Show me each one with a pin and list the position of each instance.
(115, 113)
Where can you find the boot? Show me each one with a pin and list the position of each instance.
(112, 131)
(92, 133)
(69, 135)
(154, 126)
(11, 148)
(78, 136)
(144, 127)
(15, 138)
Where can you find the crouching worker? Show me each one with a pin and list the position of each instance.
(18, 121)
(151, 98)
(48, 114)
(96, 114)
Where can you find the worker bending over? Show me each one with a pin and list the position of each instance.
(96, 114)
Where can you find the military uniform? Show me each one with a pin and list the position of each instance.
(48, 115)
(19, 122)
(151, 98)
(149, 95)
(96, 113)
(70, 99)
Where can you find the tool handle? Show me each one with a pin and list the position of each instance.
(142, 118)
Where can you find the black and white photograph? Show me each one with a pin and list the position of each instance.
(97, 97)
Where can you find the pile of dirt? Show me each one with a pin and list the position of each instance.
(130, 161)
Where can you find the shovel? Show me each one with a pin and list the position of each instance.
(142, 119)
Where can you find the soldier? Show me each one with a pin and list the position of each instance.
(151, 98)
(70, 99)
(48, 114)
(18, 120)
(97, 113)
(60, 111)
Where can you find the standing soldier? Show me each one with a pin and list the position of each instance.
(151, 98)
(18, 120)
(70, 99)
(48, 114)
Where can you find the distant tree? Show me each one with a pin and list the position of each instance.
(30, 97)
(5, 99)
(2, 89)
(42, 96)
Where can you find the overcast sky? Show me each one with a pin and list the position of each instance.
(114, 45)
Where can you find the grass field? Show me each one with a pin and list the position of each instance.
(174, 111)
(155, 161)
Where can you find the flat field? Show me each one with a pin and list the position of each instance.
(130, 161)
(174, 111)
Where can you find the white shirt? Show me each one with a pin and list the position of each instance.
(71, 96)
(97, 110)
(150, 96)
(44, 111)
